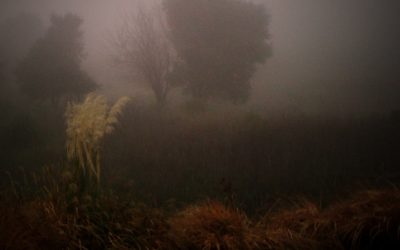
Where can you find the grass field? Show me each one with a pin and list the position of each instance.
(214, 180)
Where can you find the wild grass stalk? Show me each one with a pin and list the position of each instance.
(87, 125)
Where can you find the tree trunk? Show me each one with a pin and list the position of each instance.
(160, 91)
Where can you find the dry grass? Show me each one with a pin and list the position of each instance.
(54, 220)
(370, 220)
(298, 227)
(211, 225)
(367, 220)
(27, 227)
(87, 124)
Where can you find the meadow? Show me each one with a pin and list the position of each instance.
(197, 179)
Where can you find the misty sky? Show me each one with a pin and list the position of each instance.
(327, 55)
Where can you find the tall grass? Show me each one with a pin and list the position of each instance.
(366, 220)
(186, 158)
(173, 156)
(87, 124)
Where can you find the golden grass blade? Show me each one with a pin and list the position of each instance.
(87, 124)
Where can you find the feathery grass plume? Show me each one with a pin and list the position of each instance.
(87, 124)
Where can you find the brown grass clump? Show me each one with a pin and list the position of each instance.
(369, 220)
(59, 218)
(109, 223)
(296, 218)
(211, 225)
(27, 227)
(143, 228)
(296, 227)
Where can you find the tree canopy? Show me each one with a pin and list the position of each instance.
(52, 69)
(219, 43)
(18, 33)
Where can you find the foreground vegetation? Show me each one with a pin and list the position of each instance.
(192, 179)
(189, 173)
(215, 154)
(49, 212)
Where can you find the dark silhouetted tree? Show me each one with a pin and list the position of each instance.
(7, 94)
(2, 81)
(52, 69)
(18, 33)
(143, 46)
(219, 43)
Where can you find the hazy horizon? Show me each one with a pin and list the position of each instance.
(328, 56)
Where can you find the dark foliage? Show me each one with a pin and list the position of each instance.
(219, 42)
(52, 69)
(18, 33)
(185, 158)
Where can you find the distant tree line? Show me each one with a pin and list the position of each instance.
(208, 47)
(52, 69)
(40, 71)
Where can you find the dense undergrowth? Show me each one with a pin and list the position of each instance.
(48, 212)
(187, 158)
(210, 180)
(187, 155)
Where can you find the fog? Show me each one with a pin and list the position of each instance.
(199, 124)
(335, 55)
(328, 56)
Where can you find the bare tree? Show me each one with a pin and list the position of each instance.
(143, 46)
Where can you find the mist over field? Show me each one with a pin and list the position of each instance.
(199, 124)
(328, 56)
